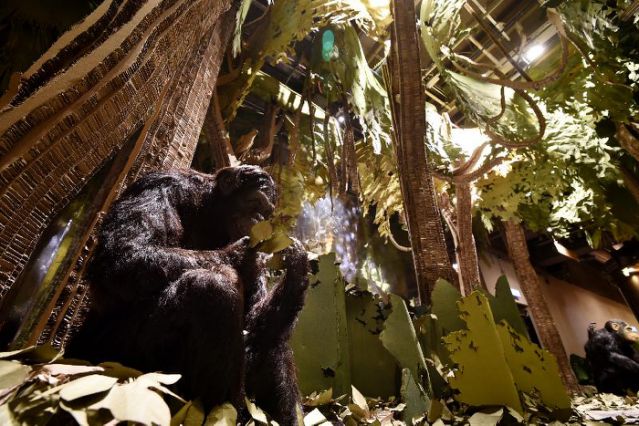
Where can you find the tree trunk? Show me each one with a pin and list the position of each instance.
(144, 68)
(627, 141)
(349, 179)
(467, 251)
(430, 256)
(216, 135)
(531, 287)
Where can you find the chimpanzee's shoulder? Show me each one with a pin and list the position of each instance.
(176, 178)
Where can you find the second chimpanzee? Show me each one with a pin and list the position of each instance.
(612, 357)
(176, 288)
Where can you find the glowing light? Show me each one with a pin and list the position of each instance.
(516, 293)
(468, 139)
(341, 119)
(330, 225)
(534, 52)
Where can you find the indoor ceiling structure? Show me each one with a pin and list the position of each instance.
(511, 36)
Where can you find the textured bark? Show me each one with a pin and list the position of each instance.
(330, 158)
(531, 287)
(148, 64)
(349, 179)
(466, 249)
(265, 141)
(424, 222)
(216, 135)
(628, 141)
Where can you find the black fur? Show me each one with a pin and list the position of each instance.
(176, 288)
(612, 358)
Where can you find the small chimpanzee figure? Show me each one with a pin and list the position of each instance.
(613, 359)
(176, 288)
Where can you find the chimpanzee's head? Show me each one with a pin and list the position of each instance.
(248, 195)
(626, 331)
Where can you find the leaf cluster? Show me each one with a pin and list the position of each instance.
(559, 186)
(39, 387)
(348, 74)
(606, 77)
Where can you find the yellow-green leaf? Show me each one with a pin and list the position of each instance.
(260, 232)
(12, 373)
(222, 415)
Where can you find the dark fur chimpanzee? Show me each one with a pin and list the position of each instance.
(176, 288)
(612, 357)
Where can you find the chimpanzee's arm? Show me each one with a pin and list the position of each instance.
(271, 320)
(624, 362)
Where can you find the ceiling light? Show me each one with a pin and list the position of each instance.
(534, 52)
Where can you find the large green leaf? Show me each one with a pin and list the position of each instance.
(482, 376)
(85, 386)
(320, 341)
(413, 396)
(535, 370)
(504, 307)
(134, 402)
(400, 339)
(12, 373)
(349, 74)
(444, 306)
(365, 317)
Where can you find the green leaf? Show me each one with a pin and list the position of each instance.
(180, 417)
(222, 415)
(115, 369)
(360, 401)
(6, 416)
(256, 413)
(260, 232)
(87, 385)
(413, 396)
(12, 374)
(33, 354)
(486, 418)
(135, 402)
(400, 339)
(505, 308)
(194, 415)
(69, 369)
(482, 376)
(319, 398)
(535, 370)
(320, 340)
(242, 11)
(365, 320)
(314, 418)
(444, 306)
(165, 379)
(278, 242)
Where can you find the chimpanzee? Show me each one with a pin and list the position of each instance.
(177, 288)
(612, 357)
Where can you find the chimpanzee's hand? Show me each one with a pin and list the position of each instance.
(240, 252)
(295, 260)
